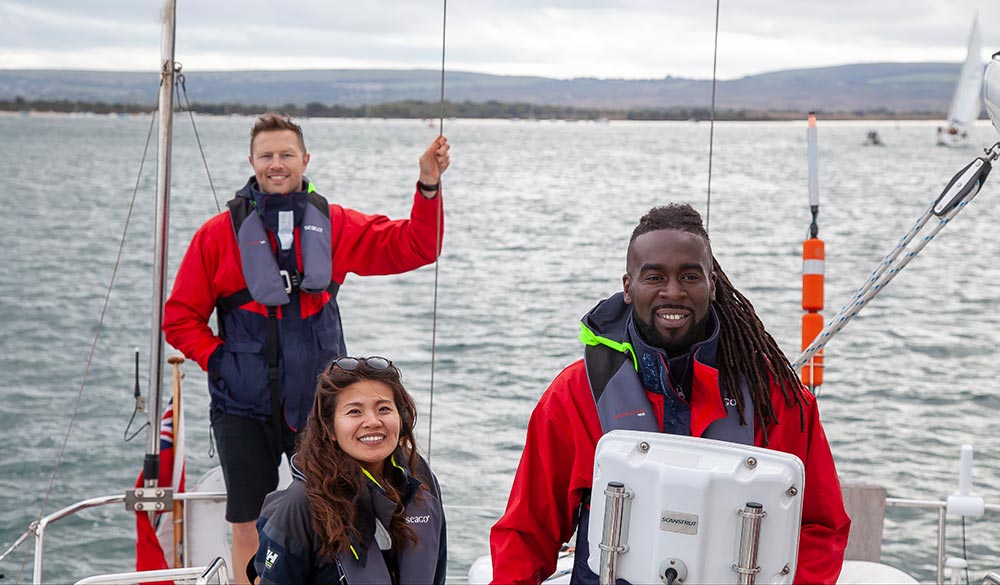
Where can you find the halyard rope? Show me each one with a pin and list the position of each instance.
(891, 265)
(437, 244)
(711, 124)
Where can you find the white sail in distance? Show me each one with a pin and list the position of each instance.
(966, 103)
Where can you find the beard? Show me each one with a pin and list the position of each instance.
(673, 346)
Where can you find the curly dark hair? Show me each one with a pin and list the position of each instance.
(273, 122)
(334, 477)
(746, 350)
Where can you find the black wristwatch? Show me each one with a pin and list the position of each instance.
(431, 188)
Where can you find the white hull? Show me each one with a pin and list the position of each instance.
(953, 137)
(853, 573)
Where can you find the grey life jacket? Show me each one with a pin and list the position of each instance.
(417, 563)
(622, 403)
(293, 553)
(267, 284)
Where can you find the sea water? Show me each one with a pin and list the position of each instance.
(538, 218)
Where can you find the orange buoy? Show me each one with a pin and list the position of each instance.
(813, 269)
(812, 372)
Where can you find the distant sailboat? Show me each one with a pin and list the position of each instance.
(873, 139)
(966, 103)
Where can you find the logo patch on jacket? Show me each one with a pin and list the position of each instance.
(270, 558)
(639, 412)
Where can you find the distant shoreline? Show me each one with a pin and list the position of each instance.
(414, 109)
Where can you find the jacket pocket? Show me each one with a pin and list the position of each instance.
(244, 377)
(329, 331)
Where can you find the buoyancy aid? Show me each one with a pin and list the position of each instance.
(282, 534)
(267, 284)
(612, 359)
(417, 564)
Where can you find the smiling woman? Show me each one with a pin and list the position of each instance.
(363, 504)
(366, 425)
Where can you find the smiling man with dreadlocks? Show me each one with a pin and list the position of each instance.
(679, 351)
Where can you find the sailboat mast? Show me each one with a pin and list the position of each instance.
(165, 112)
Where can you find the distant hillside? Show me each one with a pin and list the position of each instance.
(874, 87)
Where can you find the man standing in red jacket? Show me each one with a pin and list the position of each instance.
(270, 267)
(679, 351)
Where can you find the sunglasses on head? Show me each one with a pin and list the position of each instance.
(349, 364)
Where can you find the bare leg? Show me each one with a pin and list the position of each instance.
(244, 548)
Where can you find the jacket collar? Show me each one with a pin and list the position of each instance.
(371, 503)
(609, 323)
(655, 367)
(268, 205)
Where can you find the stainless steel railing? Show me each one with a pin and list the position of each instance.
(94, 503)
(215, 572)
(941, 507)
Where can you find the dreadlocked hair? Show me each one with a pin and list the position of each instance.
(334, 478)
(747, 352)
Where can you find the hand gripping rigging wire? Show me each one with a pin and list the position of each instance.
(959, 192)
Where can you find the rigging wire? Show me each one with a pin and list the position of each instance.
(711, 124)
(97, 335)
(444, 31)
(437, 244)
(182, 87)
(893, 263)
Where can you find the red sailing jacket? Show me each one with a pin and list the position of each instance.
(557, 465)
(211, 270)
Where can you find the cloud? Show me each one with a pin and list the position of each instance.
(552, 38)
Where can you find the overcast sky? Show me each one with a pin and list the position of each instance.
(551, 38)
